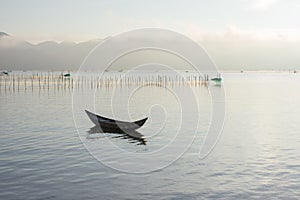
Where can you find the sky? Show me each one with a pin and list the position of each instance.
(79, 20)
(254, 32)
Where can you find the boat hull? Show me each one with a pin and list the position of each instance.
(111, 125)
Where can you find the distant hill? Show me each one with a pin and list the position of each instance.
(21, 55)
(229, 53)
(3, 34)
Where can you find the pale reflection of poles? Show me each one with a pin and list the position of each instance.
(32, 83)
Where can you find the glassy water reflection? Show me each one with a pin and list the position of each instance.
(42, 156)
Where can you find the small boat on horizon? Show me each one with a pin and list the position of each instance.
(4, 73)
(217, 79)
(67, 75)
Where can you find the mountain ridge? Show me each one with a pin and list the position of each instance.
(18, 54)
(4, 34)
(227, 53)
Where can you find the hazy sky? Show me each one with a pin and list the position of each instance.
(79, 20)
(237, 34)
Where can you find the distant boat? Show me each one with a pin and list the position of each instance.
(217, 79)
(111, 125)
(4, 73)
(67, 75)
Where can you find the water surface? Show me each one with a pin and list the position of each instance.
(257, 156)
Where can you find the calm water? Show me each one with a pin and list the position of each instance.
(42, 155)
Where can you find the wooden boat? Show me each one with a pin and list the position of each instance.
(4, 73)
(217, 79)
(66, 76)
(111, 125)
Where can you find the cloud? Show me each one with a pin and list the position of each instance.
(263, 5)
(254, 50)
(235, 33)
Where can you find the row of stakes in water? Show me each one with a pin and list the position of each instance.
(42, 81)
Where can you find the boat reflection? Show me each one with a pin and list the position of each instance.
(132, 136)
